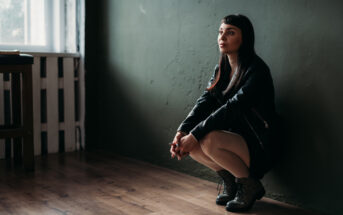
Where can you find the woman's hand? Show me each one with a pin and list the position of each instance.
(174, 148)
(187, 143)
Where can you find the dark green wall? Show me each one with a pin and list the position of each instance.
(148, 60)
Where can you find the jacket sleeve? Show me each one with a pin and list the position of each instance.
(247, 96)
(203, 107)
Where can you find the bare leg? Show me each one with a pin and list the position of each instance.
(227, 150)
(198, 155)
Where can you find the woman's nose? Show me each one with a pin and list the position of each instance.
(221, 37)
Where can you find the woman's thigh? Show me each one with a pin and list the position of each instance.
(226, 140)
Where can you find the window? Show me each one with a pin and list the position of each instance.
(38, 25)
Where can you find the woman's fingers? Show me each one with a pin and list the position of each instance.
(178, 152)
(176, 149)
(172, 154)
(181, 153)
(178, 137)
(172, 150)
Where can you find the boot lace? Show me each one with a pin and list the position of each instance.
(220, 185)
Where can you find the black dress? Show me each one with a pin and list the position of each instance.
(248, 110)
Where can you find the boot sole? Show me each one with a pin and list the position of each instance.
(258, 196)
(223, 203)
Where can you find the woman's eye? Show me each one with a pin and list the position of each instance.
(231, 33)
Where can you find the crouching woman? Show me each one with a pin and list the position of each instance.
(231, 127)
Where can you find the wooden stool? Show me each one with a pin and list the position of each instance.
(22, 127)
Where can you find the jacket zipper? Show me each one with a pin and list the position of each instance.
(260, 117)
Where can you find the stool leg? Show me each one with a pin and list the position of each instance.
(8, 116)
(28, 119)
(16, 107)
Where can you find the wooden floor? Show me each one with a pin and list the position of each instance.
(93, 183)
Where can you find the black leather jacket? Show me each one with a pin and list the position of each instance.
(251, 103)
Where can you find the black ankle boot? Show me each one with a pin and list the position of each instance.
(230, 187)
(248, 190)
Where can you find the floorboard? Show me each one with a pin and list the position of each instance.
(102, 183)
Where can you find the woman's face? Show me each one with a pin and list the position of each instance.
(229, 39)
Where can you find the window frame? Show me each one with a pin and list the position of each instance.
(55, 16)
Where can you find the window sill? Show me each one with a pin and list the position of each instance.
(52, 54)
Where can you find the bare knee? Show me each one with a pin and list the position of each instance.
(209, 143)
(228, 141)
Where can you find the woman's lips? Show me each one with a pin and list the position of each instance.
(221, 45)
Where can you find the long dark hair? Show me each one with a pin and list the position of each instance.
(246, 51)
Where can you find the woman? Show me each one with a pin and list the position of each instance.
(231, 127)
